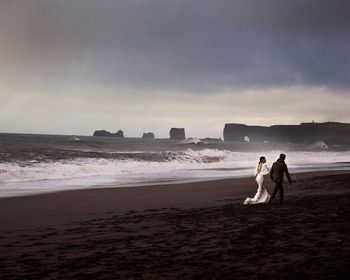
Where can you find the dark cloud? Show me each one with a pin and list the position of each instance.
(175, 45)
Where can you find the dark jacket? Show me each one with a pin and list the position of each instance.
(277, 170)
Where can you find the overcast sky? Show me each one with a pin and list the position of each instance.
(73, 66)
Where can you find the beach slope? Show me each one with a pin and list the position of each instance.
(187, 231)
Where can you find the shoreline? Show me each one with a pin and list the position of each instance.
(71, 205)
(174, 182)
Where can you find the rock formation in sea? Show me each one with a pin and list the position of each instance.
(177, 133)
(106, 133)
(148, 135)
(328, 132)
(102, 133)
(119, 133)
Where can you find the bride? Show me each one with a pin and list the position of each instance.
(261, 196)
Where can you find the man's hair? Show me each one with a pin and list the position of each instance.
(262, 158)
(282, 156)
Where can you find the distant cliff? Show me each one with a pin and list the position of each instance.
(330, 132)
(106, 133)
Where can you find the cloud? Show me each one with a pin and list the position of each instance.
(196, 46)
(73, 66)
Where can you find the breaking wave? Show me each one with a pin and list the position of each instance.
(132, 168)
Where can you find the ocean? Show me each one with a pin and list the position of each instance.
(33, 164)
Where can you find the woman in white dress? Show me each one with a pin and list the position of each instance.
(261, 196)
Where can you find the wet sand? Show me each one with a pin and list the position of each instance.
(187, 231)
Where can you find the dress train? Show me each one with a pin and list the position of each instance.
(262, 195)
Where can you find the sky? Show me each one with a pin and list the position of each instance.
(74, 66)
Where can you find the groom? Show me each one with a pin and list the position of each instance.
(276, 174)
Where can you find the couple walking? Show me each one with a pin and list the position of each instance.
(276, 174)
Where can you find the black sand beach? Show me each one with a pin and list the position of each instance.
(188, 231)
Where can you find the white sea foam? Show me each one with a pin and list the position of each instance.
(18, 178)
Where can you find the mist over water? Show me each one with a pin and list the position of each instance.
(44, 163)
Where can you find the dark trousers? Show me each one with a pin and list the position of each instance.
(278, 187)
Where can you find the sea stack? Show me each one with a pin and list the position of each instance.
(177, 133)
(105, 133)
(102, 133)
(148, 135)
(119, 133)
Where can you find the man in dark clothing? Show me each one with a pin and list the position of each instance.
(276, 174)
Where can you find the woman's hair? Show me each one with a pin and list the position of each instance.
(260, 165)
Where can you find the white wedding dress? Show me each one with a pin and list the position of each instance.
(261, 196)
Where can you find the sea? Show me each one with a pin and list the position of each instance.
(34, 164)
